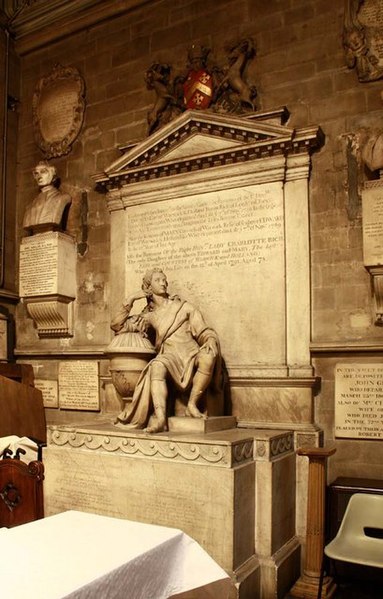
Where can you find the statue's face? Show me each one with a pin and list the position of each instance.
(159, 284)
(43, 175)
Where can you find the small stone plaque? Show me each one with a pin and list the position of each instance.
(79, 385)
(373, 224)
(49, 390)
(359, 401)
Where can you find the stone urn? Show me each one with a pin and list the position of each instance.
(128, 353)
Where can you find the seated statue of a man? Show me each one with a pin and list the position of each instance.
(187, 349)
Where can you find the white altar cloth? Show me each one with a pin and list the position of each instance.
(77, 555)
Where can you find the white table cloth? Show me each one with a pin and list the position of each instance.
(77, 555)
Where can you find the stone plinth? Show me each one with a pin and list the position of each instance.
(280, 403)
(223, 488)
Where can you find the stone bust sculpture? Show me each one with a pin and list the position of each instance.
(188, 354)
(49, 209)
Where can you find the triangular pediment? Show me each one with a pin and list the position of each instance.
(198, 138)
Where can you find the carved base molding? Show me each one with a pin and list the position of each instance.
(307, 588)
(53, 315)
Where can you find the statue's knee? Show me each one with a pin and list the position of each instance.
(157, 371)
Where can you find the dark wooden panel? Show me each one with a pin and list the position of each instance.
(21, 410)
(21, 492)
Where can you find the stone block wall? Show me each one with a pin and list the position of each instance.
(300, 63)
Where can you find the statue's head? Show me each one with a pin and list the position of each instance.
(354, 39)
(154, 280)
(45, 174)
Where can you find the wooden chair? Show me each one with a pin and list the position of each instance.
(22, 414)
(21, 491)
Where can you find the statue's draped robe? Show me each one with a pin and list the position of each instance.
(181, 333)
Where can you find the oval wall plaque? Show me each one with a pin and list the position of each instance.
(58, 110)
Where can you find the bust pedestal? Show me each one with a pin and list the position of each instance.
(48, 281)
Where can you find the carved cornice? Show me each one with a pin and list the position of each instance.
(279, 382)
(241, 174)
(243, 153)
(40, 22)
(349, 347)
(136, 445)
(250, 146)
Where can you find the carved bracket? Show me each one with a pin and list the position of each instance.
(53, 315)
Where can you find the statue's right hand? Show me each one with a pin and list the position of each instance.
(136, 296)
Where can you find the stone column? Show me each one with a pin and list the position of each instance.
(307, 584)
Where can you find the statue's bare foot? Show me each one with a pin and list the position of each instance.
(193, 411)
(156, 428)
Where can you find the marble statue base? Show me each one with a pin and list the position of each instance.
(231, 490)
(201, 425)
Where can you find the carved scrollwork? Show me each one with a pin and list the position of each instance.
(282, 445)
(11, 496)
(58, 110)
(242, 452)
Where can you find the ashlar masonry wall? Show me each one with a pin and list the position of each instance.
(300, 63)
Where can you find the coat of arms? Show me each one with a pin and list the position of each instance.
(204, 85)
(198, 87)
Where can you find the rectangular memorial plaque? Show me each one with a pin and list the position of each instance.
(43, 260)
(38, 265)
(373, 224)
(359, 401)
(79, 385)
(49, 390)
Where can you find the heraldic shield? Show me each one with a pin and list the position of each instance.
(198, 89)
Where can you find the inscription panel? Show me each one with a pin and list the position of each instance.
(359, 401)
(38, 265)
(373, 225)
(79, 385)
(139, 490)
(224, 252)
